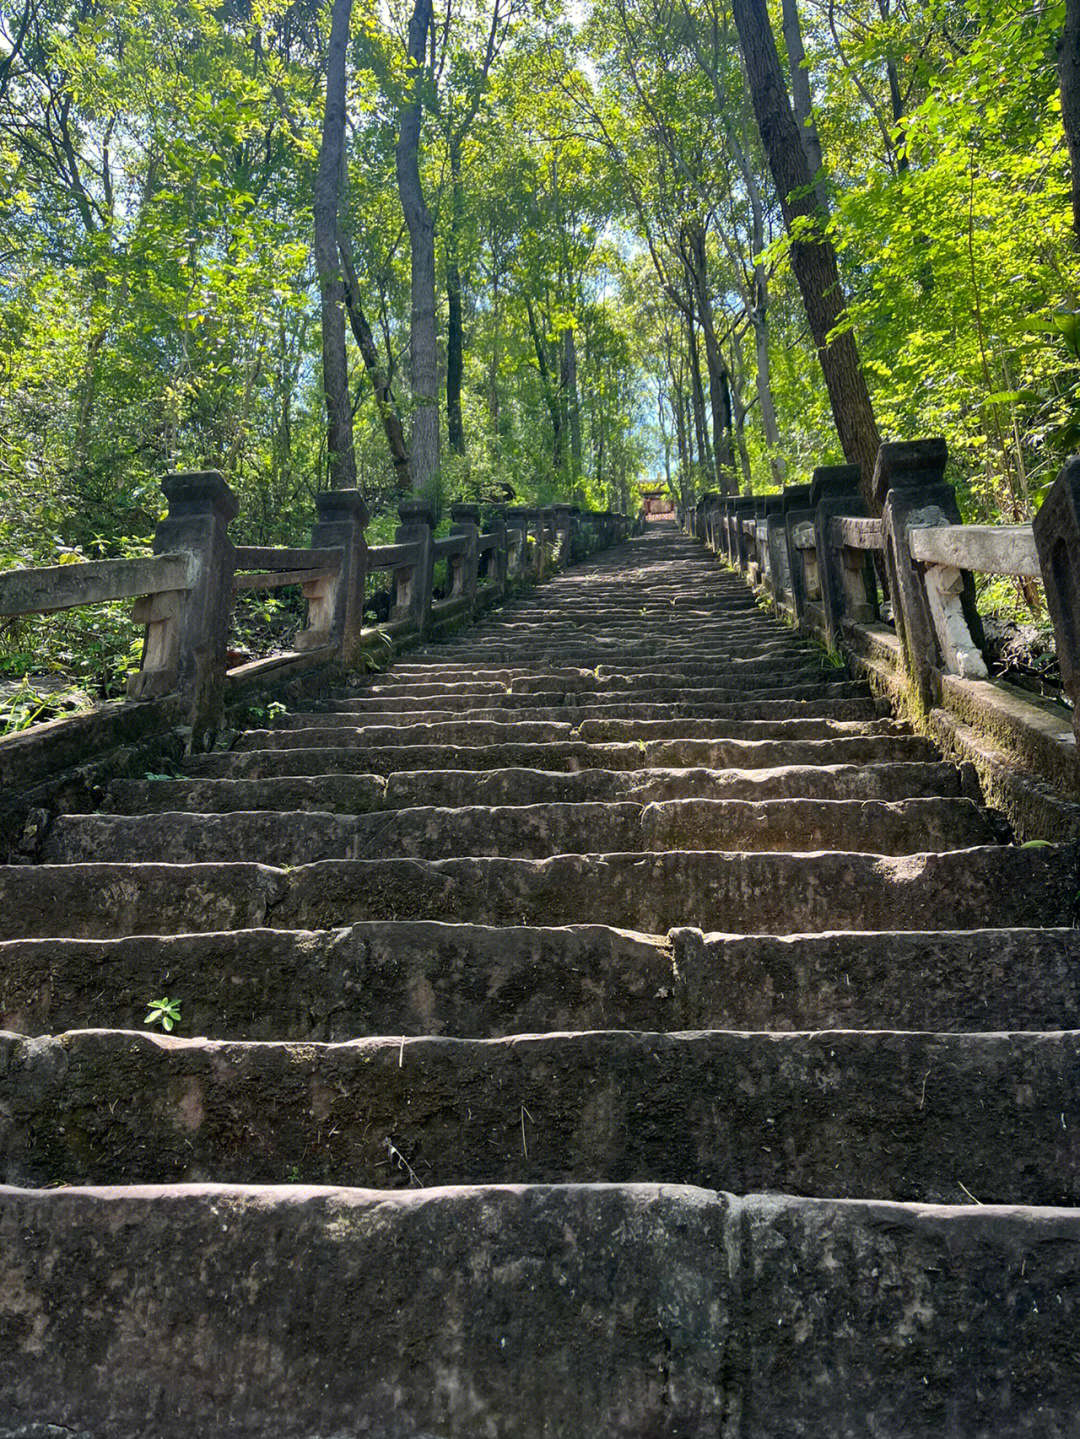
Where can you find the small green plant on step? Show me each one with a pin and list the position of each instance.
(164, 1011)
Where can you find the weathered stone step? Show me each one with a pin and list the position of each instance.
(469, 701)
(578, 681)
(533, 831)
(817, 707)
(567, 756)
(614, 1310)
(646, 709)
(317, 733)
(1000, 887)
(356, 794)
(911, 1116)
(473, 981)
(719, 668)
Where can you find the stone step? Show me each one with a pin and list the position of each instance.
(532, 1311)
(821, 706)
(431, 698)
(991, 887)
(864, 708)
(356, 794)
(717, 669)
(474, 981)
(763, 685)
(881, 1115)
(534, 831)
(566, 756)
(328, 730)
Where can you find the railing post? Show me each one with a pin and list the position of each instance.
(560, 519)
(796, 511)
(909, 484)
(517, 518)
(496, 560)
(578, 545)
(187, 631)
(336, 604)
(465, 520)
(1057, 536)
(742, 509)
(779, 574)
(412, 584)
(834, 490)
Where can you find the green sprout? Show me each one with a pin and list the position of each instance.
(165, 1012)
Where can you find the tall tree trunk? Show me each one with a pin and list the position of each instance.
(813, 258)
(698, 396)
(455, 330)
(800, 94)
(423, 348)
(763, 379)
(384, 397)
(1069, 78)
(573, 404)
(339, 429)
(693, 245)
(493, 362)
(551, 398)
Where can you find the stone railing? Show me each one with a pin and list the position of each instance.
(834, 572)
(184, 596)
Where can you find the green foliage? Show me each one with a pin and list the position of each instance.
(165, 1012)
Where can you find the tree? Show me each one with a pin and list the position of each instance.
(813, 258)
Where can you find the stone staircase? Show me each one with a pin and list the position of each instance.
(607, 1022)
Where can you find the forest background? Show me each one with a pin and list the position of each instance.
(554, 258)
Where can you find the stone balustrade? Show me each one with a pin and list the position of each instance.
(184, 593)
(896, 593)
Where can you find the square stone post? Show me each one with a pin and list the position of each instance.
(187, 631)
(578, 542)
(464, 568)
(412, 583)
(909, 484)
(834, 490)
(779, 566)
(796, 511)
(741, 509)
(1057, 536)
(495, 562)
(561, 522)
(336, 604)
(517, 518)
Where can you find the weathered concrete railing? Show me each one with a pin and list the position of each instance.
(835, 572)
(184, 597)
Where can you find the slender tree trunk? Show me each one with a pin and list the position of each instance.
(813, 258)
(493, 363)
(339, 431)
(800, 94)
(573, 404)
(455, 330)
(384, 397)
(1069, 78)
(423, 347)
(698, 395)
(767, 406)
(551, 398)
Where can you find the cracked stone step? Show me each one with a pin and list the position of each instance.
(534, 831)
(317, 733)
(863, 1115)
(822, 706)
(664, 1310)
(865, 708)
(475, 981)
(429, 697)
(999, 887)
(567, 756)
(356, 794)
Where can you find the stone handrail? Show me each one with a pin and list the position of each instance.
(66, 587)
(184, 594)
(830, 567)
